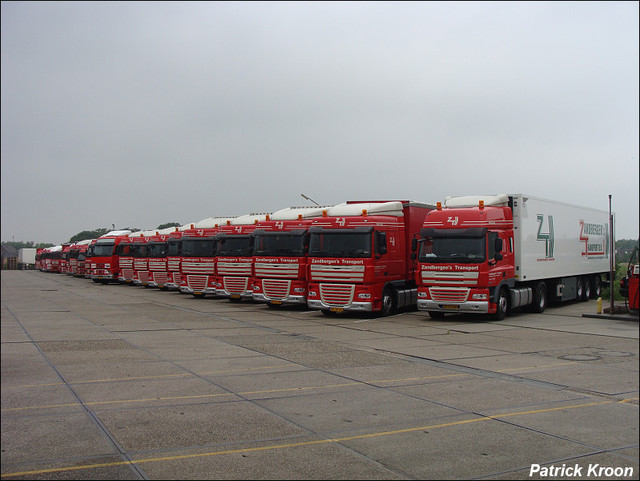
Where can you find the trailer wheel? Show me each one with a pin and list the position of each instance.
(579, 289)
(597, 286)
(502, 307)
(587, 289)
(388, 303)
(539, 298)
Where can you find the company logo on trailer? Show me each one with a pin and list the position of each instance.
(547, 237)
(595, 238)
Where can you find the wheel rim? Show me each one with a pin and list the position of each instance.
(503, 302)
(387, 303)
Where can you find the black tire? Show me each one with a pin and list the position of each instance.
(197, 296)
(587, 289)
(579, 289)
(436, 314)
(539, 298)
(503, 305)
(596, 282)
(388, 303)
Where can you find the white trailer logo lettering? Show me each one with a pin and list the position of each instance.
(280, 224)
(341, 221)
(452, 220)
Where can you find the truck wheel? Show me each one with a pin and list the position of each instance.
(579, 289)
(502, 307)
(388, 303)
(597, 286)
(587, 289)
(539, 298)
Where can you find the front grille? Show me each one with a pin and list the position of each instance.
(197, 283)
(127, 274)
(337, 295)
(236, 285)
(449, 294)
(159, 278)
(275, 288)
(143, 276)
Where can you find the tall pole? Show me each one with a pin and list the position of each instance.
(611, 254)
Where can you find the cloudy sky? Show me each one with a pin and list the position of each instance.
(138, 114)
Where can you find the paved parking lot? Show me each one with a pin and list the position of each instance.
(122, 382)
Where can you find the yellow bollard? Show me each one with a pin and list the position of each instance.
(599, 304)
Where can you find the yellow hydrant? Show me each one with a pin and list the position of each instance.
(599, 304)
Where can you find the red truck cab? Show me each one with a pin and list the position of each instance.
(198, 250)
(105, 260)
(360, 256)
(157, 257)
(280, 256)
(234, 257)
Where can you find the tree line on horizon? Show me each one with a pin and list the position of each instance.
(624, 247)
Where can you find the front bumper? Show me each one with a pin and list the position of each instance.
(354, 306)
(478, 307)
(288, 300)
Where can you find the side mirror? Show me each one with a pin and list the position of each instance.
(414, 244)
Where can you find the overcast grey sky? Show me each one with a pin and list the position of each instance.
(138, 114)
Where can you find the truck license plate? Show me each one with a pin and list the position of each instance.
(235, 296)
(276, 302)
(450, 307)
(336, 309)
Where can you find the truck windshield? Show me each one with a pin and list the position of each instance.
(235, 246)
(198, 247)
(280, 245)
(139, 250)
(465, 250)
(340, 244)
(103, 250)
(174, 247)
(157, 249)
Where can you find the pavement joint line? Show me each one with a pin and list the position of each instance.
(497, 417)
(165, 376)
(143, 378)
(202, 396)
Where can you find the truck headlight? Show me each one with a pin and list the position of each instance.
(480, 297)
(364, 295)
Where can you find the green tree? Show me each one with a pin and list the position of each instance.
(168, 224)
(89, 234)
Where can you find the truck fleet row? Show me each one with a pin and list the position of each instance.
(484, 254)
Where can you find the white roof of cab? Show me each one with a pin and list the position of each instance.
(248, 219)
(393, 208)
(473, 200)
(116, 233)
(292, 213)
(211, 222)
